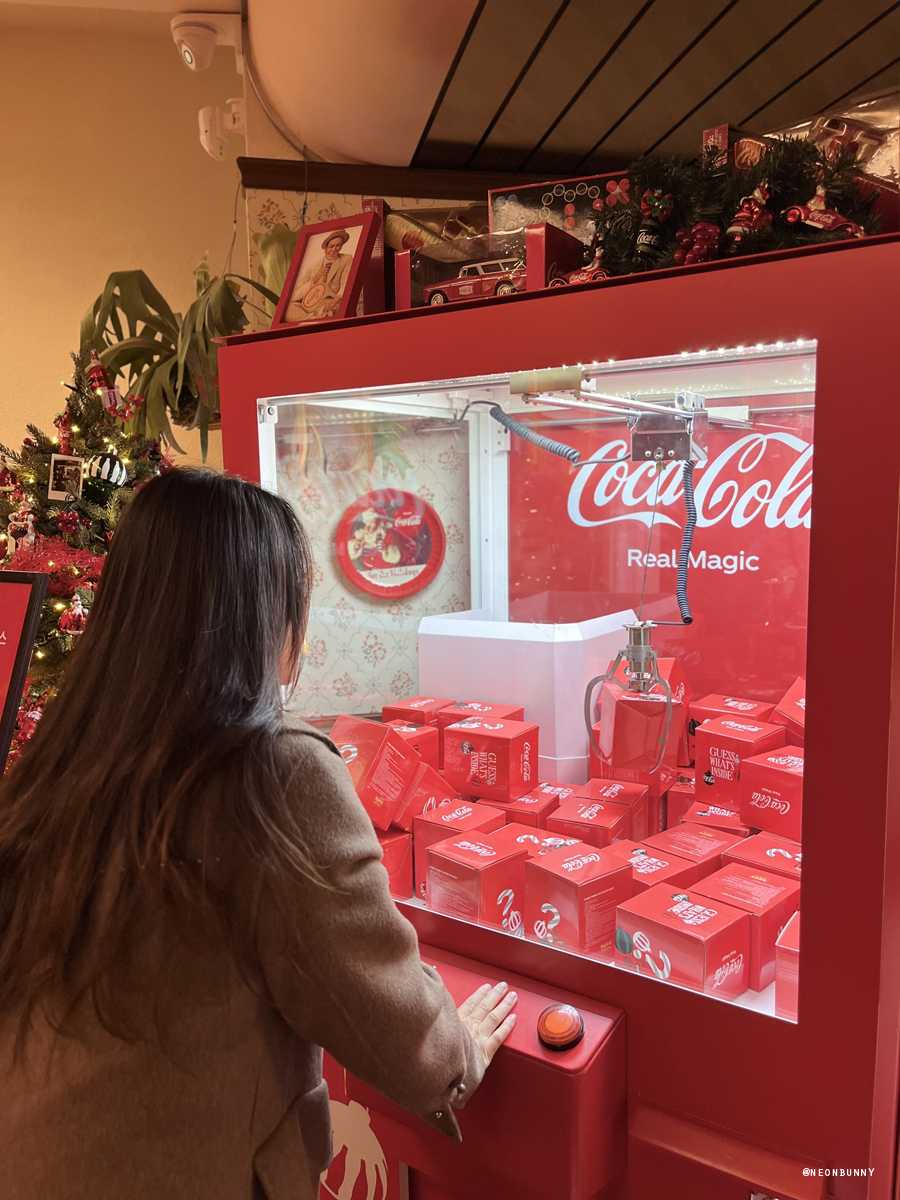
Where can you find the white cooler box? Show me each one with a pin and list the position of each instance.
(545, 668)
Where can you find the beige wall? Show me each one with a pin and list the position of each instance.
(102, 169)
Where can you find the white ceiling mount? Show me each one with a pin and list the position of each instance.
(196, 34)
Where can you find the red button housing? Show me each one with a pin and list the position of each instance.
(560, 1027)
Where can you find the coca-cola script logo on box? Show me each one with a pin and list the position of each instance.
(579, 544)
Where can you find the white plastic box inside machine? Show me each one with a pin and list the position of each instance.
(543, 667)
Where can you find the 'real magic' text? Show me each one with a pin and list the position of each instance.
(729, 563)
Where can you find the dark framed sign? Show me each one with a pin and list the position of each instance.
(21, 596)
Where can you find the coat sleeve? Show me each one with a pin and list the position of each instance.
(342, 964)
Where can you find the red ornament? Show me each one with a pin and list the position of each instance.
(814, 213)
(751, 216)
(74, 619)
(700, 243)
(67, 521)
(63, 423)
(98, 376)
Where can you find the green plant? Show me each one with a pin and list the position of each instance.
(169, 360)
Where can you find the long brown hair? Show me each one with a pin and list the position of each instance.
(175, 683)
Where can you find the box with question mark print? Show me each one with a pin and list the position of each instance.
(571, 896)
(478, 878)
(684, 937)
(492, 759)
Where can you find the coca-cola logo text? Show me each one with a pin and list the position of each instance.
(578, 861)
(740, 728)
(792, 761)
(733, 967)
(478, 848)
(462, 811)
(726, 487)
(765, 801)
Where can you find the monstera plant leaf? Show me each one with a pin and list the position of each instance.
(169, 360)
(276, 249)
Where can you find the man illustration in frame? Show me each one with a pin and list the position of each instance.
(320, 285)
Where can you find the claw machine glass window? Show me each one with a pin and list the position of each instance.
(600, 576)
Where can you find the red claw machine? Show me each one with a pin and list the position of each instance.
(582, 557)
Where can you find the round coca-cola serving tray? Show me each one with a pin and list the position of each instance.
(390, 543)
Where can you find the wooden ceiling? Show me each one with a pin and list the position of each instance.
(576, 86)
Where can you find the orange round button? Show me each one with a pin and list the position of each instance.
(560, 1027)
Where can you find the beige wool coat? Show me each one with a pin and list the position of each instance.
(227, 1101)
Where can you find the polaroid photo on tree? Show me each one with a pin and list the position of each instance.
(66, 476)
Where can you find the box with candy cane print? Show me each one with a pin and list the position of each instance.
(685, 938)
(534, 807)
(428, 790)
(768, 853)
(422, 738)
(440, 823)
(533, 840)
(571, 896)
(651, 867)
(495, 760)
(477, 878)
(463, 710)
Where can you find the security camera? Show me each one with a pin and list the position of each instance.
(197, 34)
(195, 43)
(216, 124)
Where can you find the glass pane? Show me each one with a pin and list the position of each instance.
(366, 469)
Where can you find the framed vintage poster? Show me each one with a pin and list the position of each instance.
(327, 270)
(21, 596)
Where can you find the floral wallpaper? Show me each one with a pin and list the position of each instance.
(362, 650)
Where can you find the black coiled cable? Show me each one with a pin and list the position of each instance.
(684, 554)
(536, 439)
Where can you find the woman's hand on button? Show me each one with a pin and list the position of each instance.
(488, 1016)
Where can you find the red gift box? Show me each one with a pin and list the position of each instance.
(769, 900)
(657, 783)
(496, 760)
(695, 843)
(441, 823)
(790, 711)
(670, 670)
(772, 791)
(381, 765)
(597, 822)
(428, 790)
(418, 710)
(531, 838)
(707, 708)
(685, 938)
(767, 853)
(477, 878)
(534, 807)
(787, 969)
(649, 868)
(462, 710)
(680, 796)
(422, 738)
(398, 862)
(632, 725)
(716, 818)
(635, 797)
(722, 746)
(571, 896)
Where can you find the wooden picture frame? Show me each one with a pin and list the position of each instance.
(21, 597)
(322, 285)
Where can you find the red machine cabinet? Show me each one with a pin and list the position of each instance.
(723, 1102)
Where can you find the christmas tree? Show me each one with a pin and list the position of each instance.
(61, 497)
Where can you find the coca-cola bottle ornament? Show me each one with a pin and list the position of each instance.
(98, 378)
(656, 208)
(751, 216)
(700, 243)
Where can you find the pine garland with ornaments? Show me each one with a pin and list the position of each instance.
(61, 496)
